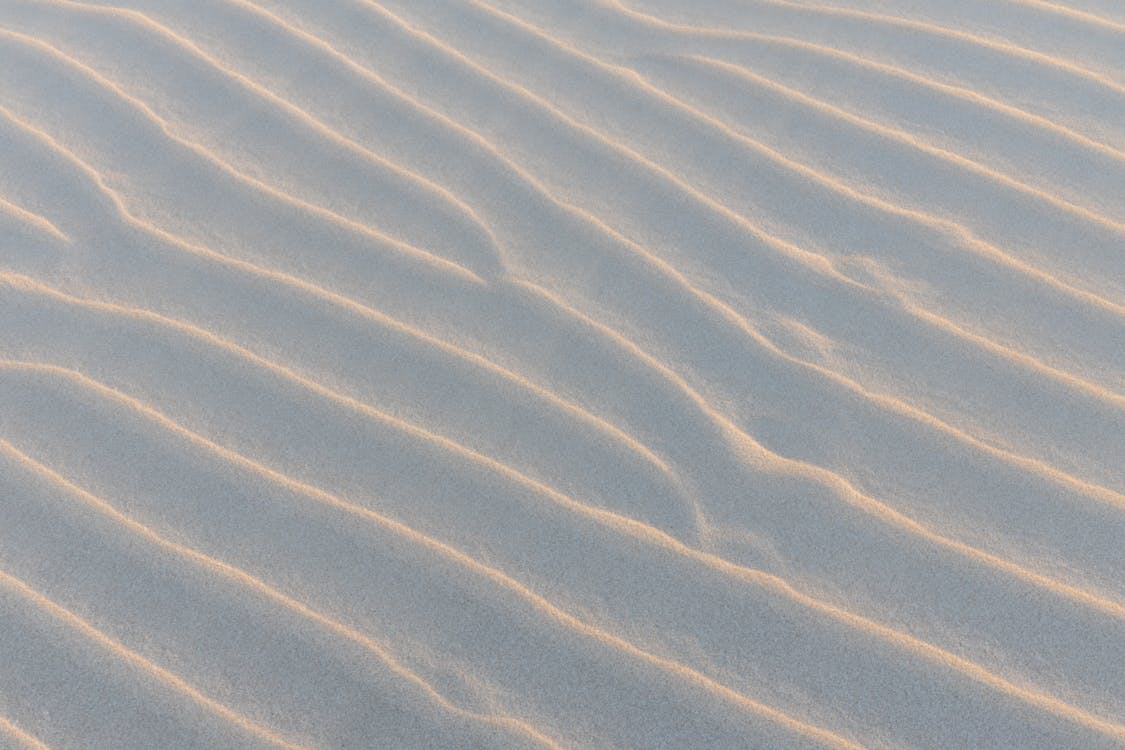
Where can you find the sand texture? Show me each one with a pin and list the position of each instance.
(594, 374)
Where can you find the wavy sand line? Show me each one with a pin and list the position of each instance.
(39, 222)
(21, 736)
(119, 651)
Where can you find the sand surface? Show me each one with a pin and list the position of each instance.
(656, 374)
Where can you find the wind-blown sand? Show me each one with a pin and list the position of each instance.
(650, 374)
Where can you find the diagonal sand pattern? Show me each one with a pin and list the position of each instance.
(562, 373)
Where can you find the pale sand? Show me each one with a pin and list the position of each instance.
(562, 374)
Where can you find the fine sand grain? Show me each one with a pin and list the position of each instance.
(600, 374)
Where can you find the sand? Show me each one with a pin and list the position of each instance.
(657, 374)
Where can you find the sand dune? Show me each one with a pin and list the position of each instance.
(562, 374)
